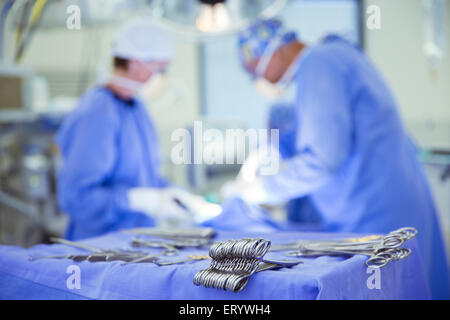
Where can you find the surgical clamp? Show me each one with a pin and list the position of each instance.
(380, 252)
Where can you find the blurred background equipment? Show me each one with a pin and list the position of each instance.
(435, 40)
(28, 164)
(15, 89)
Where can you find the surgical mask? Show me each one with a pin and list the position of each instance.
(273, 91)
(156, 84)
(126, 83)
(152, 86)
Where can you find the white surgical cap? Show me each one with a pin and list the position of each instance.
(140, 40)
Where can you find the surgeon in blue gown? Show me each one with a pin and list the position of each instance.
(110, 177)
(282, 118)
(353, 156)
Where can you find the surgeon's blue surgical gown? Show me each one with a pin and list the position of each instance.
(108, 146)
(354, 157)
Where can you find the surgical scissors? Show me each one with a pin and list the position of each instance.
(170, 248)
(98, 255)
(380, 252)
(235, 261)
(194, 233)
(76, 245)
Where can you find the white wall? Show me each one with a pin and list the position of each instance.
(397, 49)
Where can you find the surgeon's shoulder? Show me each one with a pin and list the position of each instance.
(333, 53)
(97, 104)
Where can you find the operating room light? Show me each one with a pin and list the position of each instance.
(200, 19)
(213, 17)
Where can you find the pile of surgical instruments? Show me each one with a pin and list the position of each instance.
(234, 261)
(173, 241)
(380, 250)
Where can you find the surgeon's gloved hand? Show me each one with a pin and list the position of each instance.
(200, 209)
(262, 161)
(252, 192)
(161, 205)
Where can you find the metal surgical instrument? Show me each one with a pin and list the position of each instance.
(76, 245)
(189, 259)
(129, 256)
(169, 249)
(234, 261)
(380, 252)
(98, 255)
(195, 233)
(172, 246)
